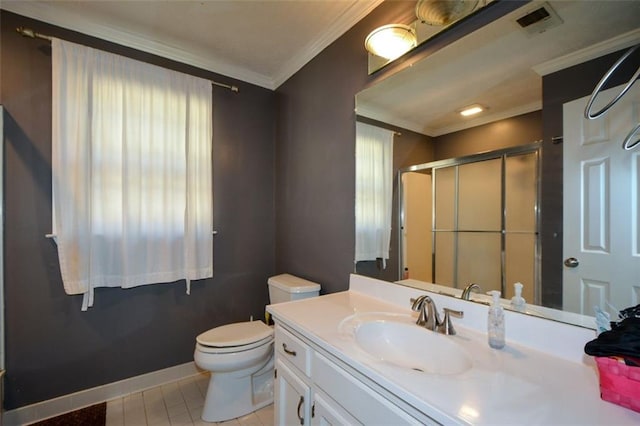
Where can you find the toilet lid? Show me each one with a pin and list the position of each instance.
(236, 334)
(234, 349)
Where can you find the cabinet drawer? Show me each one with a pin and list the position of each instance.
(293, 350)
(364, 404)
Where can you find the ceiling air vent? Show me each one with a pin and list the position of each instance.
(539, 20)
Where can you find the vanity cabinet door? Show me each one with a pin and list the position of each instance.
(325, 412)
(292, 397)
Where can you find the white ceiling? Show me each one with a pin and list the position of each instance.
(265, 42)
(261, 42)
(499, 66)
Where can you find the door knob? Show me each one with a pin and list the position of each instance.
(571, 262)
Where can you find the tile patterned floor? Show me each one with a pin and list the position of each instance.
(174, 404)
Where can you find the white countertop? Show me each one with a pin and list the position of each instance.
(515, 385)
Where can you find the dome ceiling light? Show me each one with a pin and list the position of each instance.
(443, 12)
(391, 41)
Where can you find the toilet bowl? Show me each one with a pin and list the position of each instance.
(239, 367)
(240, 357)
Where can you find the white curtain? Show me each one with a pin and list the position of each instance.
(132, 172)
(374, 191)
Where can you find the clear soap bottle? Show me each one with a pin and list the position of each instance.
(495, 322)
(517, 302)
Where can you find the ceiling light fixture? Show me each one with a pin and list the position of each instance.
(391, 41)
(471, 110)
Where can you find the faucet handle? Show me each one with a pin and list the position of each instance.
(446, 326)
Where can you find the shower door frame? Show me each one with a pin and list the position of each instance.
(532, 148)
(2, 342)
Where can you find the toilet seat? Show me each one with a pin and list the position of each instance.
(236, 337)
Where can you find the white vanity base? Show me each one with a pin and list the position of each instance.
(541, 377)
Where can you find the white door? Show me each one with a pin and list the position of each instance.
(601, 203)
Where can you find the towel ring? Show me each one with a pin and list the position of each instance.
(627, 145)
(587, 111)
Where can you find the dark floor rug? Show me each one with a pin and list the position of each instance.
(94, 415)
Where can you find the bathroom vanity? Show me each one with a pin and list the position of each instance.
(311, 381)
(357, 357)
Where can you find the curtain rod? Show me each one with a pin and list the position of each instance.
(28, 32)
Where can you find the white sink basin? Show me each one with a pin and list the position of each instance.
(410, 346)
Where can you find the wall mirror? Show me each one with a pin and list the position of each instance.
(523, 69)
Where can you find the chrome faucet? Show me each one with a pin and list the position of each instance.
(466, 293)
(429, 317)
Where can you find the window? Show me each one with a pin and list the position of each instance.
(132, 172)
(374, 191)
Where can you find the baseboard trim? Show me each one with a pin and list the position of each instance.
(64, 404)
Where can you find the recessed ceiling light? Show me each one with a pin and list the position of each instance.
(471, 110)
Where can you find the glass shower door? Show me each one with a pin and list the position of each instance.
(480, 224)
(485, 220)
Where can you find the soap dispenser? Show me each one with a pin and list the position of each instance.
(495, 322)
(517, 302)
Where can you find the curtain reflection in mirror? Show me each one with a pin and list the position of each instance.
(374, 192)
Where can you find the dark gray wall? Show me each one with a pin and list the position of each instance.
(52, 347)
(315, 145)
(520, 130)
(315, 158)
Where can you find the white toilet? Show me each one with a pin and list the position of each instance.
(240, 357)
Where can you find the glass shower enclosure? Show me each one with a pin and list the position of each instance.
(473, 219)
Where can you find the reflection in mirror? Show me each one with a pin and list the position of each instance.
(524, 77)
(374, 161)
(472, 219)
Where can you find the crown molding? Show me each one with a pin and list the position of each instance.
(47, 13)
(384, 117)
(335, 31)
(622, 41)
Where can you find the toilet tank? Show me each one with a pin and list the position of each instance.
(286, 287)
